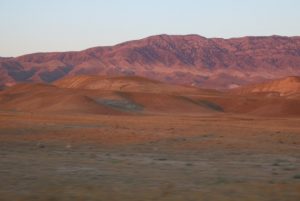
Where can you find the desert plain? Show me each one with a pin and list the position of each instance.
(136, 139)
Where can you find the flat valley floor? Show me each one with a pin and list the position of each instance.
(47, 157)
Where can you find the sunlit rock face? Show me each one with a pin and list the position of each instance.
(191, 59)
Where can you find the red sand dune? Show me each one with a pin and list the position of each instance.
(288, 86)
(127, 84)
(258, 105)
(100, 95)
(273, 98)
(48, 98)
(136, 95)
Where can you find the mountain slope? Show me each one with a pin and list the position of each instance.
(191, 60)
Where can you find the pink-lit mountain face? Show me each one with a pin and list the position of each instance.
(190, 60)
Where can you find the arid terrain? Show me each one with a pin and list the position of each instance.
(131, 138)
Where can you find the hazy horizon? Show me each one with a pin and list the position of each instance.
(39, 26)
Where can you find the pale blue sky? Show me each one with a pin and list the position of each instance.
(28, 26)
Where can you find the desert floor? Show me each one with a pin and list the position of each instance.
(148, 157)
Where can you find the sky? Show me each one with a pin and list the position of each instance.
(28, 26)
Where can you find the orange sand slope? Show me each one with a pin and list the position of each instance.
(137, 95)
(100, 95)
(289, 86)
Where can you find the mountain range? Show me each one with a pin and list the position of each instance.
(186, 60)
